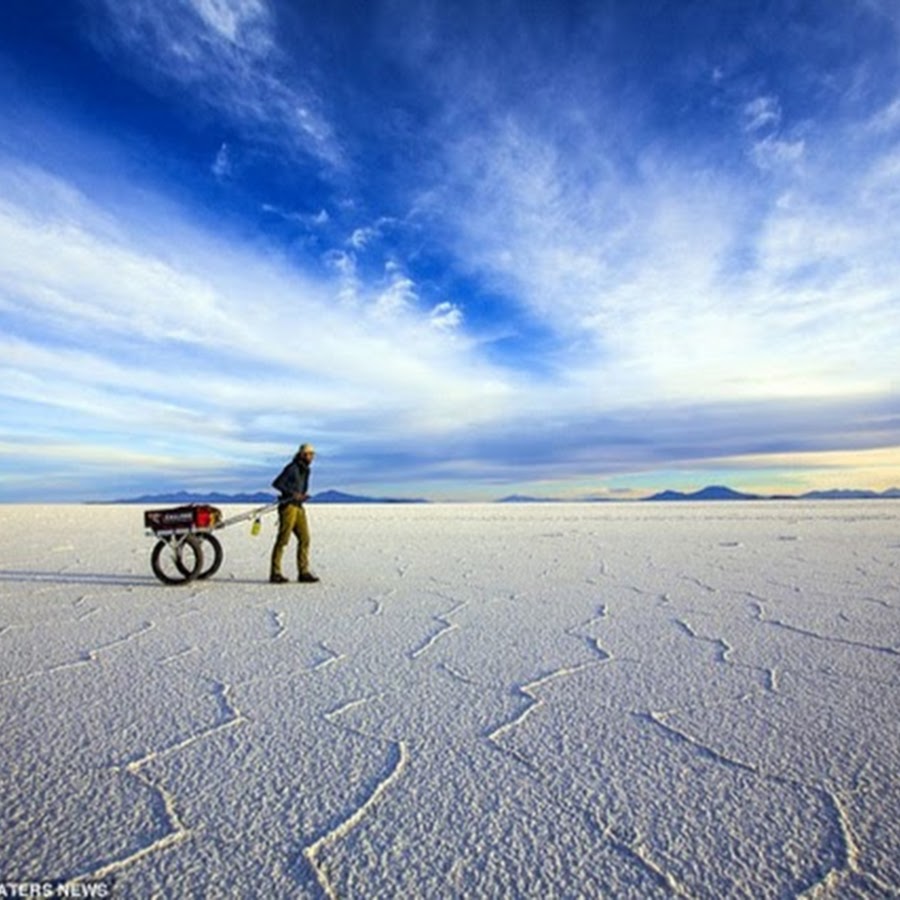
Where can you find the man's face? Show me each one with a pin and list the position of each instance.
(308, 456)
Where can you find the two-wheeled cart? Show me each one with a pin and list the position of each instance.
(186, 547)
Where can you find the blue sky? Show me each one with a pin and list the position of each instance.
(467, 249)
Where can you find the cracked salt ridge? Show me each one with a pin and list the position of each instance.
(724, 653)
(629, 849)
(345, 822)
(827, 638)
(446, 626)
(276, 624)
(529, 690)
(532, 703)
(331, 657)
(848, 869)
(374, 660)
(848, 872)
(85, 657)
(633, 849)
(175, 830)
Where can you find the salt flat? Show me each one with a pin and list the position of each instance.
(642, 700)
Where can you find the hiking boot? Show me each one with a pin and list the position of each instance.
(278, 579)
(307, 577)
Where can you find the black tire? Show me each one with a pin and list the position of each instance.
(177, 561)
(215, 557)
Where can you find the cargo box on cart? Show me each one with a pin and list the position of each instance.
(195, 517)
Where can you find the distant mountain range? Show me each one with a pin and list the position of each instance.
(719, 492)
(710, 493)
(713, 492)
(341, 497)
(185, 497)
(260, 497)
(889, 494)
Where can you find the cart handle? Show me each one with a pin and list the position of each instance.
(252, 514)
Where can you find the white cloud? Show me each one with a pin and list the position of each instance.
(221, 166)
(671, 282)
(223, 54)
(762, 113)
(73, 280)
(771, 149)
(399, 297)
(773, 153)
(886, 119)
(657, 280)
(188, 338)
(238, 21)
(307, 220)
(446, 316)
(361, 237)
(342, 263)
(512, 213)
(880, 185)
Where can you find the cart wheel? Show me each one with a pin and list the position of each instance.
(217, 555)
(177, 560)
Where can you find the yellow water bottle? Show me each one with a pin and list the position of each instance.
(254, 528)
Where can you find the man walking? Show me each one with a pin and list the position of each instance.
(293, 484)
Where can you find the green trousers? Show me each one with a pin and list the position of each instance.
(291, 521)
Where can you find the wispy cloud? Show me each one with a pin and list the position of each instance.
(673, 280)
(887, 119)
(762, 113)
(223, 55)
(538, 253)
(171, 344)
(221, 166)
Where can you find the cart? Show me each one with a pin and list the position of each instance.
(186, 547)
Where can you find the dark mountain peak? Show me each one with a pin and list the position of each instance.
(711, 492)
(333, 496)
(186, 497)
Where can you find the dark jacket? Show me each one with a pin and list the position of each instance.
(294, 479)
